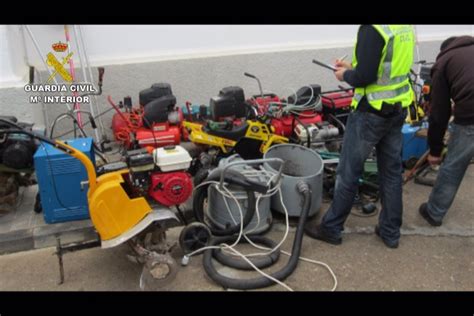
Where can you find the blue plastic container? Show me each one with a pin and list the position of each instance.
(413, 146)
(195, 110)
(59, 181)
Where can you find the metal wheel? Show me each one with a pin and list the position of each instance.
(159, 270)
(194, 236)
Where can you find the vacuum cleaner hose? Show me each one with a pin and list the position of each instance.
(259, 262)
(261, 282)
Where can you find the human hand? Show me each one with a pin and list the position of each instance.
(343, 64)
(433, 160)
(339, 73)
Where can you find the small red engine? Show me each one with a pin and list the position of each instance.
(263, 103)
(171, 188)
(161, 175)
(337, 103)
(285, 125)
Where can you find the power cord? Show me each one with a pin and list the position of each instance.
(227, 193)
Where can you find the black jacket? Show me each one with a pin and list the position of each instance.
(369, 53)
(452, 77)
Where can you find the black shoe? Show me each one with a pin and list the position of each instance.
(319, 233)
(423, 210)
(392, 244)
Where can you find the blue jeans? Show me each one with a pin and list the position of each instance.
(451, 172)
(364, 131)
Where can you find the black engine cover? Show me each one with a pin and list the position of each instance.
(19, 155)
(16, 150)
(157, 110)
(156, 91)
(229, 103)
(237, 93)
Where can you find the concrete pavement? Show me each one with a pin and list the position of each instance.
(439, 259)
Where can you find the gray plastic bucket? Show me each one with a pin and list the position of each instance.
(301, 164)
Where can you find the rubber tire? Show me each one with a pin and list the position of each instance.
(38, 208)
(202, 241)
(200, 176)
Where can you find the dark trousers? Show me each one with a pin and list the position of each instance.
(451, 173)
(364, 131)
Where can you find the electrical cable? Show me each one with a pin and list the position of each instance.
(226, 247)
(245, 267)
(63, 115)
(267, 279)
(201, 194)
(86, 123)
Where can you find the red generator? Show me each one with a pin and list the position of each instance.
(337, 105)
(264, 102)
(285, 125)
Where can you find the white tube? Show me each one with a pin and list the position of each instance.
(91, 109)
(96, 101)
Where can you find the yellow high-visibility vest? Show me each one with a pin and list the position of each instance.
(392, 85)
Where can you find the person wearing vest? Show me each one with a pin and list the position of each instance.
(452, 78)
(381, 63)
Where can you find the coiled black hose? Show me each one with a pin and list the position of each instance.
(261, 282)
(260, 262)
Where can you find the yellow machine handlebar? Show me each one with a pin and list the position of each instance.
(91, 175)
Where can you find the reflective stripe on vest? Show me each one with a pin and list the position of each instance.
(388, 94)
(397, 88)
(383, 94)
(387, 63)
(387, 82)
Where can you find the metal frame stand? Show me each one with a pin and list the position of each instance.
(61, 250)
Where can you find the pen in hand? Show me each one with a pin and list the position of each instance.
(340, 62)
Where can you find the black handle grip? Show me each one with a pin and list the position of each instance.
(91, 119)
(101, 74)
(243, 181)
(249, 75)
(32, 75)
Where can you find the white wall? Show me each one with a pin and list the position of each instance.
(13, 69)
(123, 44)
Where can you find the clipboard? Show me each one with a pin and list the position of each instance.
(327, 66)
